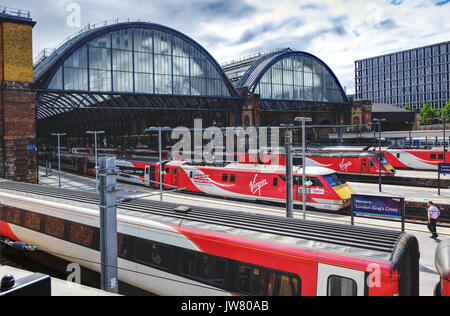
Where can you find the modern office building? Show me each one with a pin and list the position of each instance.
(411, 77)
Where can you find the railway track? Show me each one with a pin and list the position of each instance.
(398, 180)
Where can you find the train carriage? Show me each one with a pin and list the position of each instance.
(350, 162)
(243, 181)
(442, 263)
(202, 251)
(342, 161)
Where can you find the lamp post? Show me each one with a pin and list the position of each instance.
(304, 120)
(411, 124)
(159, 130)
(444, 143)
(379, 121)
(95, 133)
(59, 135)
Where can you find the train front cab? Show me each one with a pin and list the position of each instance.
(370, 165)
(442, 263)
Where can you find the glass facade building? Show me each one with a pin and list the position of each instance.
(411, 77)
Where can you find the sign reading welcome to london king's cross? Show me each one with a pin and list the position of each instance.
(444, 168)
(378, 206)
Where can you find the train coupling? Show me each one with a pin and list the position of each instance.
(18, 245)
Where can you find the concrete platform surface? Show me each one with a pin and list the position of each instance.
(59, 287)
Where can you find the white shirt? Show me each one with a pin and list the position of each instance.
(433, 212)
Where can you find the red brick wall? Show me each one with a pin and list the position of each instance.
(18, 126)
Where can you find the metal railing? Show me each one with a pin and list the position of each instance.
(15, 12)
(48, 52)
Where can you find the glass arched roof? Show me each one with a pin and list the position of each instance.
(293, 76)
(137, 57)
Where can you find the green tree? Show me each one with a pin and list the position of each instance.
(407, 107)
(445, 112)
(427, 114)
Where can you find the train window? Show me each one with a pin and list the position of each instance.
(225, 178)
(398, 155)
(151, 253)
(287, 285)
(13, 215)
(433, 156)
(275, 182)
(261, 281)
(204, 267)
(191, 174)
(441, 157)
(124, 244)
(333, 180)
(372, 163)
(315, 182)
(167, 170)
(232, 178)
(54, 227)
(256, 281)
(33, 221)
(340, 286)
(81, 235)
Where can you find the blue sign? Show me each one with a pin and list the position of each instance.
(31, 147)
(378, 205)
(444, 168)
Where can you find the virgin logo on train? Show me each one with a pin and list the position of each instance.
(255, 187)
(345, 165)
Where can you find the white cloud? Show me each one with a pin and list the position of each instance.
(337, 31)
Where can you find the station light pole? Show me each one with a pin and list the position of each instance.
(304, 120)
(59, 135)
(95, 133)
(159, 130)
(379, 121)
(289, 174)
(444, 123)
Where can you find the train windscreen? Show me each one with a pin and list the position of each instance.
(333, 180)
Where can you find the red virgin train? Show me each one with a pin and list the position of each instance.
(243, 181)
(170, 251)
(416, 158)
(413, 159)
(343, 162)
(231, 180)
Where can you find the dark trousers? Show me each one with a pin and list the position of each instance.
(432, 226)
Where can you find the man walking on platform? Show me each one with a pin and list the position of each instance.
(433, 215)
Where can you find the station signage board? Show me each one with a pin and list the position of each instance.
(379, 206)
(444, 168)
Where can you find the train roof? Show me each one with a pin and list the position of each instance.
(312, 171)
(353, 241)
(337, 154)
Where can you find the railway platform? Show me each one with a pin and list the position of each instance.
(59, 287)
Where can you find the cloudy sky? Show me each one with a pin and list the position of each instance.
(337, 31)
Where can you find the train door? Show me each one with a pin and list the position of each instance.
(365, 162)
(175, 175)
(150, 176)
(337, 281)
(298, 190)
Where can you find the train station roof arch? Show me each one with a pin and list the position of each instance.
(132, 65)
(287, 75)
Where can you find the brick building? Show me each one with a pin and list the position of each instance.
(17, 97)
